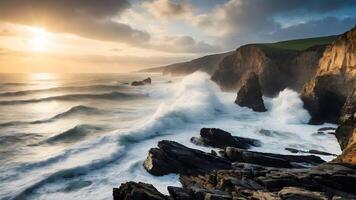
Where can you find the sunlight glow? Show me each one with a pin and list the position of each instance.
(39, 40)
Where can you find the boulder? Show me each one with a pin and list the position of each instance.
(250, 94)
(270, 159)
(172, 157)
(137, 191)
(146, 81)
(218, 138)
(325, 94)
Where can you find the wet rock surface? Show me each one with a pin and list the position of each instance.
(213, 137)
(312, 151)
(137, 191)
(172, 157)
(146, 81)
(250, 95)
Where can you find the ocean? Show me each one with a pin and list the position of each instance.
(76, 136)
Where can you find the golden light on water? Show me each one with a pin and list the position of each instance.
(40, 39)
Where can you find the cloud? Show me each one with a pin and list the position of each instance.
(243, 21)
(166, 9)
(86, 18)
(183, 44)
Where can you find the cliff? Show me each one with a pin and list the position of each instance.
(325, 94)
(206, 64)
(277, 68)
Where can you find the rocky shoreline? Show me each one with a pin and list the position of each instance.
(234, 172)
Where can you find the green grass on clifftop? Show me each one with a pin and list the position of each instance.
(302, 44)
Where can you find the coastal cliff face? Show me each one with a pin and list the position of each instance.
(325, 94)
(276, 68)
(346, 132)
(206, 64)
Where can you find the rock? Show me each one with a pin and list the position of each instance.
(346, 132)
(270, 159)
(312, 151)
(146, 81)
(218, 138)
(325, 94)
(247, 180)
(276, 68)
(172, 157)
(295, 193)
(250, 94)
(137, 191)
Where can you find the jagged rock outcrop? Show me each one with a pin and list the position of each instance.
(137, 191)
(250, 95)
(146, 81)
(346, 132)
(172, 157)
(277, 68)
(271, 159)
(325, 94)
(218, 138)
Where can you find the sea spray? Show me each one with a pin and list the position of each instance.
(195, 100)
(287, 108)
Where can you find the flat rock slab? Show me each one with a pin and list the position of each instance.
(172, 157)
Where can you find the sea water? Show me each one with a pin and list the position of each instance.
(77, 136)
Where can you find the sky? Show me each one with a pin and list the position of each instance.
(108, 36)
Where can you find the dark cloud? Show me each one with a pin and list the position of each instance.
(86, 18)
(246, 21)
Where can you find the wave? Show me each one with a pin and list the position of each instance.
(68, 88)
(75, 97)
(74, 134)
(76, 110)
(288, 108)
(195, 99)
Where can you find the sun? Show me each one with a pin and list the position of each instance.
(39, 40)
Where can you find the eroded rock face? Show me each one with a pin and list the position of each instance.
(326, 93)
(172, 157)
(218, 138)
(146, 81)
(250, 94)
(346, 132)
(277, 68)
(137, 191)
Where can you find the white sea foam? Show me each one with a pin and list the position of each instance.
(287, 108)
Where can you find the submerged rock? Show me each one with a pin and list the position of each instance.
(312, 151)
(220, 139)
(146, 81)
(270, 159)
(250, 94)
(137, 191)
(172, 157)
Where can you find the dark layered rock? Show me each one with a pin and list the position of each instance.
(250, 95)
(137, 191)
(325, 94)
(218, 138)
(312, 151)
(146, 81)
(270, 159)
(277, 68)
(257, 182)
(172, 157)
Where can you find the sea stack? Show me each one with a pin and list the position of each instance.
(250, 94)
(146, 81)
